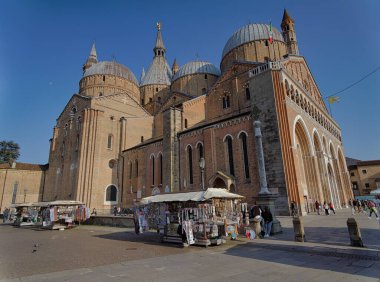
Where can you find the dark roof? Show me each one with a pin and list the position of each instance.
(351, 161)
(364, 163)
(24, 166)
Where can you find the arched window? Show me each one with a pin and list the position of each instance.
(230, 155)
(247, 94)
(78, 123)
(130, 170)
(226, 101)
(152, 166)
(109, 141)
(243, 138)
(200, 150)
(190, 162)
(160, 160)
(185, 122)
(137, 168)
(111, 193)
(66, 126)
(205, 76)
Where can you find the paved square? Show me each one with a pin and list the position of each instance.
(93, 253)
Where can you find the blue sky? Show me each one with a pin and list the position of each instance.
(43, 45)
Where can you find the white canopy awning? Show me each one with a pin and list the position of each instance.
(199, 196)
(65, 203)
(375, 192)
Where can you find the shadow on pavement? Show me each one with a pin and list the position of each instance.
(149, 238)
(323, 258)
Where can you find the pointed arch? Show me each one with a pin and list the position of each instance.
(305, 167)
(189, 150)
(229, 153)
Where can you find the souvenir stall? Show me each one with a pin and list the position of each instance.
(64, 214)
(28, 214)
(199, 218)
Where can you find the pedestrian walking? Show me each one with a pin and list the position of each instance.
(331, 207)
(293, 208)
(114, 210)
(317, 207)
(372, 209)
(326, 207)
(5, 215)
(351, 203)
(268, 221)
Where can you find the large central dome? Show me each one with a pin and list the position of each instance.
(250, 33)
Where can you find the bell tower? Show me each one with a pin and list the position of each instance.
(287, 26)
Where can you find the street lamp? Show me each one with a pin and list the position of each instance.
(202, 166)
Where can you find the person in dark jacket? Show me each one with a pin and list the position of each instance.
(268, 221)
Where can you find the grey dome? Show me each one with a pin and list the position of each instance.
(250, 33)
(158, 72)
(111, 68)
(197, 67)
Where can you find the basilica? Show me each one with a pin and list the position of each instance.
(191, 127)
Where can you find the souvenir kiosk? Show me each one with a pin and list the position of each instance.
(199, 218)
(28, 214)
(64, 214)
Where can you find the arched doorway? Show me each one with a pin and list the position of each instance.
(334, 195)
(305, 168)
(219, 183)
(323, 191)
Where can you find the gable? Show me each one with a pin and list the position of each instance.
(76, 101)
(120, 103)
(297, 68)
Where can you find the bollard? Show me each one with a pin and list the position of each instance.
(354, 232)
(299, 232)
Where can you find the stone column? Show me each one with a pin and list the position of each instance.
(265, 198)
(260, 159)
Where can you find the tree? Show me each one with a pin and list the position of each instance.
(9, 151)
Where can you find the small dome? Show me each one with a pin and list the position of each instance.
(158, 72)
(250, 33)
(197, 67)
(111, 68)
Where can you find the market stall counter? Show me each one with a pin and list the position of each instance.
(195, 218)
(64, 214)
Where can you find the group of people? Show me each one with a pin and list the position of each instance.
(6, 214)
(327, 207)
(265, 218)
(363, 206)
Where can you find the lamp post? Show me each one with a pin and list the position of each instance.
(202, 166)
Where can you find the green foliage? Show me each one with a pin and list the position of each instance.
(9, 151)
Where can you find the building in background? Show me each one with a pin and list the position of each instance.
(365, 177)
(119, 139)
(21, 183)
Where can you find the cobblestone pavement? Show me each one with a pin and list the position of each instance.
(92, 253)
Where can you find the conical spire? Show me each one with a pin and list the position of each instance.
(91, 60)
(286, 17)
(142, 74)
(93, 52)
(159, 48)
(175, 67)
